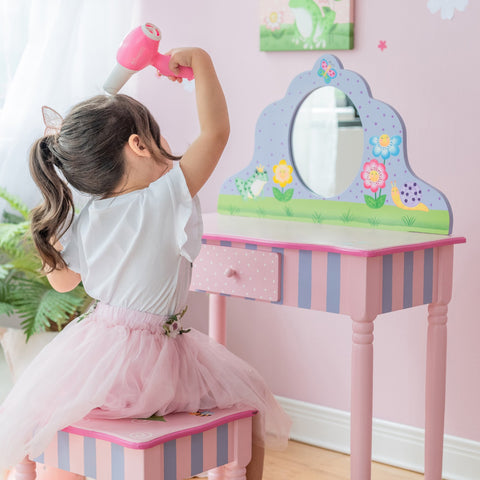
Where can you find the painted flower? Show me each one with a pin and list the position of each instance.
(447, 7)
(274, 20)
(384, 146)
(282, 173)
(374, 175)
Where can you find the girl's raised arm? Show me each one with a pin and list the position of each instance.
(202, 156)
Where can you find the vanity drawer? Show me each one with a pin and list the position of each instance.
(237, 271)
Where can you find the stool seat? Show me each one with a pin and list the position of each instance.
(172, 447)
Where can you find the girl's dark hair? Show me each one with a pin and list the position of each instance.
(88, 151)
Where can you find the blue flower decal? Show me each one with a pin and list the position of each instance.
(384, 146)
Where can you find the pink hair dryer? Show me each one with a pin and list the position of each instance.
(138, 50)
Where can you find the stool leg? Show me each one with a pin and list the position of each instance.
(26, 470)
(233, 471)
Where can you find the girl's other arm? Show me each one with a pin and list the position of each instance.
(202, 156)
(63, 280)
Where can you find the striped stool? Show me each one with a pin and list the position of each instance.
(173, 447)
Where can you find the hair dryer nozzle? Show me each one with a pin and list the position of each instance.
(117, 79)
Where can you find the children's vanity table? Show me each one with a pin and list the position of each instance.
(329, 216)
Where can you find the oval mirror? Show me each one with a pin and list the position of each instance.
(327, 141)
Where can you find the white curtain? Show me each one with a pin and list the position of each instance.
(315, 140)
(54, 53)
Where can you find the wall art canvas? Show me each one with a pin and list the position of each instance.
(306, 25)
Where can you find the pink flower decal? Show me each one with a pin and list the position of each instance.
(374, 175)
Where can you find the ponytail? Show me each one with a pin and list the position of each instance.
(53, 217)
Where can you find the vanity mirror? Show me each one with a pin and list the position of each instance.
(330, 153)
(327, 141)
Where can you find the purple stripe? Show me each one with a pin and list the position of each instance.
(387, 282)
(63, 450)
(196, 453)
(304, 278)
(222, 444)
(333, 282)
(225, 243)
(90, 457)
(118, 462)
(428, 275)
(170, 460)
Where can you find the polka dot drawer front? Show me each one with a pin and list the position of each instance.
(238, 272)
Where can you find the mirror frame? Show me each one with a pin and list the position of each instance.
(269, 187)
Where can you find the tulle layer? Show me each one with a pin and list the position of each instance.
(119, 363)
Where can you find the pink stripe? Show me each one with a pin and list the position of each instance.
(161, 438)
(153, 463)
(238, 244)
(435, 275)
(184, 457)
(319, 281)
(77, 464)
(212, 237)
(290, 277)
(51, 453)
(397, 281)
(104, 459)
(134, 464)
(352, 286)
(210, 449)
(244, 437)
(418, 267)
(213, 241)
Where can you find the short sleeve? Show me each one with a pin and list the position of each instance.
(188, 225)
(70, 248)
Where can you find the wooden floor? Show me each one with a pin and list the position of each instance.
(304, 462)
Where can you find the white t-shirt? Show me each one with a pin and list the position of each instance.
(135, 250)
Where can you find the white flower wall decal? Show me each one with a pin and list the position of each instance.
(447, 7)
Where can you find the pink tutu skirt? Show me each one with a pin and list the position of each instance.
(120, 363)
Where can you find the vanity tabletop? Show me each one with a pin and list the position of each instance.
(364, 242)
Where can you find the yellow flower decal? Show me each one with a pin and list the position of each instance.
(282, 173)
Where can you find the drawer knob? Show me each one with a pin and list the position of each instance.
(229, 272)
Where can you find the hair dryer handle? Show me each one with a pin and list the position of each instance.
(160, 62)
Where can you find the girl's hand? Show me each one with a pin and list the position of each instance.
(180, 57)
(173, 79)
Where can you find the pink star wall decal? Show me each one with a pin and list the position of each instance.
(382, 45)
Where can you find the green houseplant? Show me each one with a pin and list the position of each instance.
(24, 289)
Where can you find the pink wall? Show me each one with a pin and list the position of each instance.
(428, 73)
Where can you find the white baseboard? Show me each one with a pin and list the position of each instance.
(392, 443)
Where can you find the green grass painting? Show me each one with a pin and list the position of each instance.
(388, 217)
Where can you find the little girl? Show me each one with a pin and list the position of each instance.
(132, 246)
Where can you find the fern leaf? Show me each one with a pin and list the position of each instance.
(15, 203)
(5, 269)
(8, 217)
(11, 237)
(38, 305)
(6, 309)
